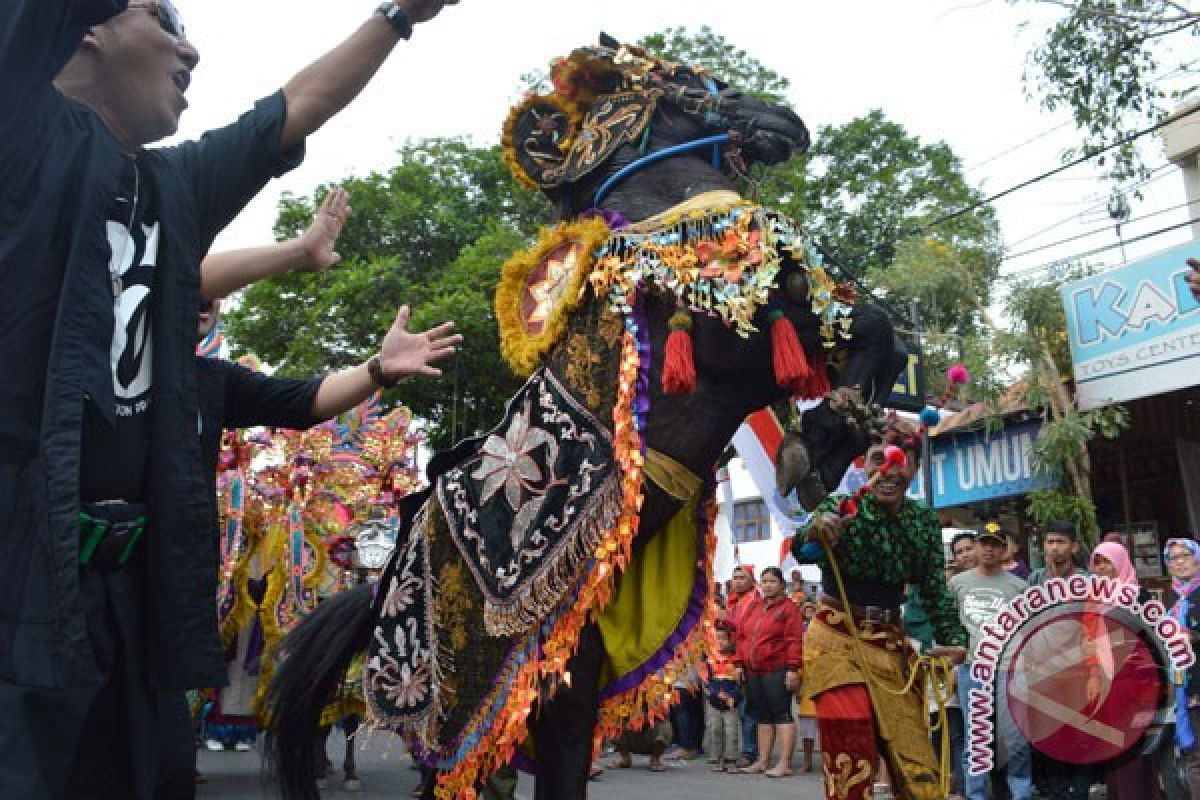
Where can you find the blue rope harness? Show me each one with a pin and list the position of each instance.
(674, 150)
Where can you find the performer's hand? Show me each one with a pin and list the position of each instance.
(1193, 277)
(423, 10)
(791, 680)
(739, 674)
(318, 241)
(831, 526)
(404, 353)
(952, 653)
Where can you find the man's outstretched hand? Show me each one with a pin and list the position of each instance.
(1193, 277)
(404, 353)
(423, 10)
(318, 242)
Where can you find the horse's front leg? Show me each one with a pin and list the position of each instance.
(563, 728)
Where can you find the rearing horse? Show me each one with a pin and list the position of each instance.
(556, 576)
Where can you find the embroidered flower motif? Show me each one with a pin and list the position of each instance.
(507, 462)
(411, 685)
(399, 598)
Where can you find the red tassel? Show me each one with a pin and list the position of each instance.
(817, 385)
(679, 370)
(791, 365)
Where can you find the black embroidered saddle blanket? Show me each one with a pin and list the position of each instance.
(522, 516)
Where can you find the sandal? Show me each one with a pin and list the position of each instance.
(620, 763)
(753, 769)
(777, 773)
(657, 766)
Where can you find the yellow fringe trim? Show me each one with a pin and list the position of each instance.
(524, 684)
(524, 351)
(645, 705)
(508, 147)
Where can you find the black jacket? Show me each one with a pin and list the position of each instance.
(1192, 622)
(58, 174)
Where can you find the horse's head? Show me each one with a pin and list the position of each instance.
(615, 105)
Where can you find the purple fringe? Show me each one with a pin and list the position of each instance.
(615, 219)
(641, 397)
(691, 617)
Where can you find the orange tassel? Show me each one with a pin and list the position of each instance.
(791, 365)
(679, 370)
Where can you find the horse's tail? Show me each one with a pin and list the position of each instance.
(314, 659)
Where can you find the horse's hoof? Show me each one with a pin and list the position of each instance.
(792, 463)
(811, 491)
(352, 785)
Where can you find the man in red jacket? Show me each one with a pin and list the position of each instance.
(768, 632)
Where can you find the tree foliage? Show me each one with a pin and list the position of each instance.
(1037, 345)
(431, 232)
(722, 59)
(1103, 60)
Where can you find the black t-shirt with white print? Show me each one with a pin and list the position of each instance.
(113, 460)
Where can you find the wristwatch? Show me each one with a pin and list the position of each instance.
(396, 18)
(375, 370)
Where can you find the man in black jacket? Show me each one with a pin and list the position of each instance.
(106, 574)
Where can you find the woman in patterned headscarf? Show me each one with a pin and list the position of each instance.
(1129, 776)
(1181, 773)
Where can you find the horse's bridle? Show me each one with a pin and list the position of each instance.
(677, 149)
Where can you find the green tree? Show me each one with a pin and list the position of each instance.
(431, 232)
(1104, 61)
(722, 59)
(1036, 345)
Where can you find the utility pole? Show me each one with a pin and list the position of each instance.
(914, 315)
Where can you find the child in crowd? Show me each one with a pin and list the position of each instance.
(722, 694)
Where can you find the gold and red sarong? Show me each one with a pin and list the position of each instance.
(851, 709)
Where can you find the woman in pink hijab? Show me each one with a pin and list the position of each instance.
(1130, 776)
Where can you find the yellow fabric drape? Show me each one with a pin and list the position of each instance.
(651, 596)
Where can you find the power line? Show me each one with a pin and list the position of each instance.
(1062, 168)
(1014, 276)
(1017, 147)
(1181, 68)
(916, 231)
(1096, 231)
(1156, 174)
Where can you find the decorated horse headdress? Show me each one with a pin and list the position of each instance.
(715, 254)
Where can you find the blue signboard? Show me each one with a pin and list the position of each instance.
(1134, 331)
(977, 466)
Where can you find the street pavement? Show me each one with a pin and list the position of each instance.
(384, 769)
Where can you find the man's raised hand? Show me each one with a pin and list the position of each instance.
(318, 242)
(404, 353)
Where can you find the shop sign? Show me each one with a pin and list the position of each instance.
(978, 466)
(1135, 331)
(904, 394)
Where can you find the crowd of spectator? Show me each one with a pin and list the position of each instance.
(746, 710)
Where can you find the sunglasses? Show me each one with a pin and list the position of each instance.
(168, 16)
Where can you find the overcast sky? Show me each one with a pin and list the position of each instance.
(945, 70)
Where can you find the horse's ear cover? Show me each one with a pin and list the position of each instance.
(602, 100)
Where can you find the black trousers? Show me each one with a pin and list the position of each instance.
(97, 742)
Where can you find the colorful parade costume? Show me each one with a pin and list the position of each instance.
(287, 500)
(876, 687)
